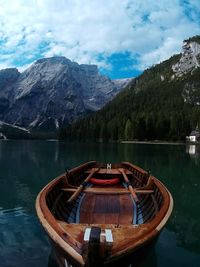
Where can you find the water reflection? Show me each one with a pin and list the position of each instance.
(193, 150)
(22, 242)
(26, 166)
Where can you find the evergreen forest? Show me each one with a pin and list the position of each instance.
(155, 106)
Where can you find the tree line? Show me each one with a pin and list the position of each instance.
(152, 107)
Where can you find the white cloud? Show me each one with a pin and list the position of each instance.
(4, 66)
(81, 30)
(169, 47)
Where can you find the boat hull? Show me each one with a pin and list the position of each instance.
(128, 216)
(133, 258)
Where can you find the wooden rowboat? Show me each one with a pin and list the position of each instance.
(97, 214)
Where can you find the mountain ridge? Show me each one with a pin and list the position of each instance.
(162, 103)
(53, 92)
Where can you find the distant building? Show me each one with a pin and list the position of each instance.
(194, 135)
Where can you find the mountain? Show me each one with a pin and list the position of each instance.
(8, 131)
(163, 103)
(190, 58)
(122, 83)
(53, 92)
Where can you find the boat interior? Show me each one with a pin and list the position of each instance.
(94, 193)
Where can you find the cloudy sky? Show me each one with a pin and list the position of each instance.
(123, 37)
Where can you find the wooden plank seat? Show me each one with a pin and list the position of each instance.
(109, 171)
(107, 191)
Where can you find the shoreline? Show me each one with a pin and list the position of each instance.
(152, 142)
(156, 142)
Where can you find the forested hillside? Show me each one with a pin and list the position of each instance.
(161, 104)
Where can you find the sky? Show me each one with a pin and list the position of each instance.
(122, 37)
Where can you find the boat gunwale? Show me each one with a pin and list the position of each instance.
(154, 227)
(53, 229)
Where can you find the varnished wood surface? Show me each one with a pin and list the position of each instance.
(129, 184)
(80, 188)
(112, 211)
(109, 171)
(109, 209)
(108, 191)
(122, 234)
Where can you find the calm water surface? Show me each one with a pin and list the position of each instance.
(26, 166)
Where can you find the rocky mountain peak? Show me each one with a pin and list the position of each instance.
(190, 58)
(90, 70)
(52, 92)
(53, 60)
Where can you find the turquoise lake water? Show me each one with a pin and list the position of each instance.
(26, 166)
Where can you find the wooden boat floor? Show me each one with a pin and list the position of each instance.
(106, 209)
